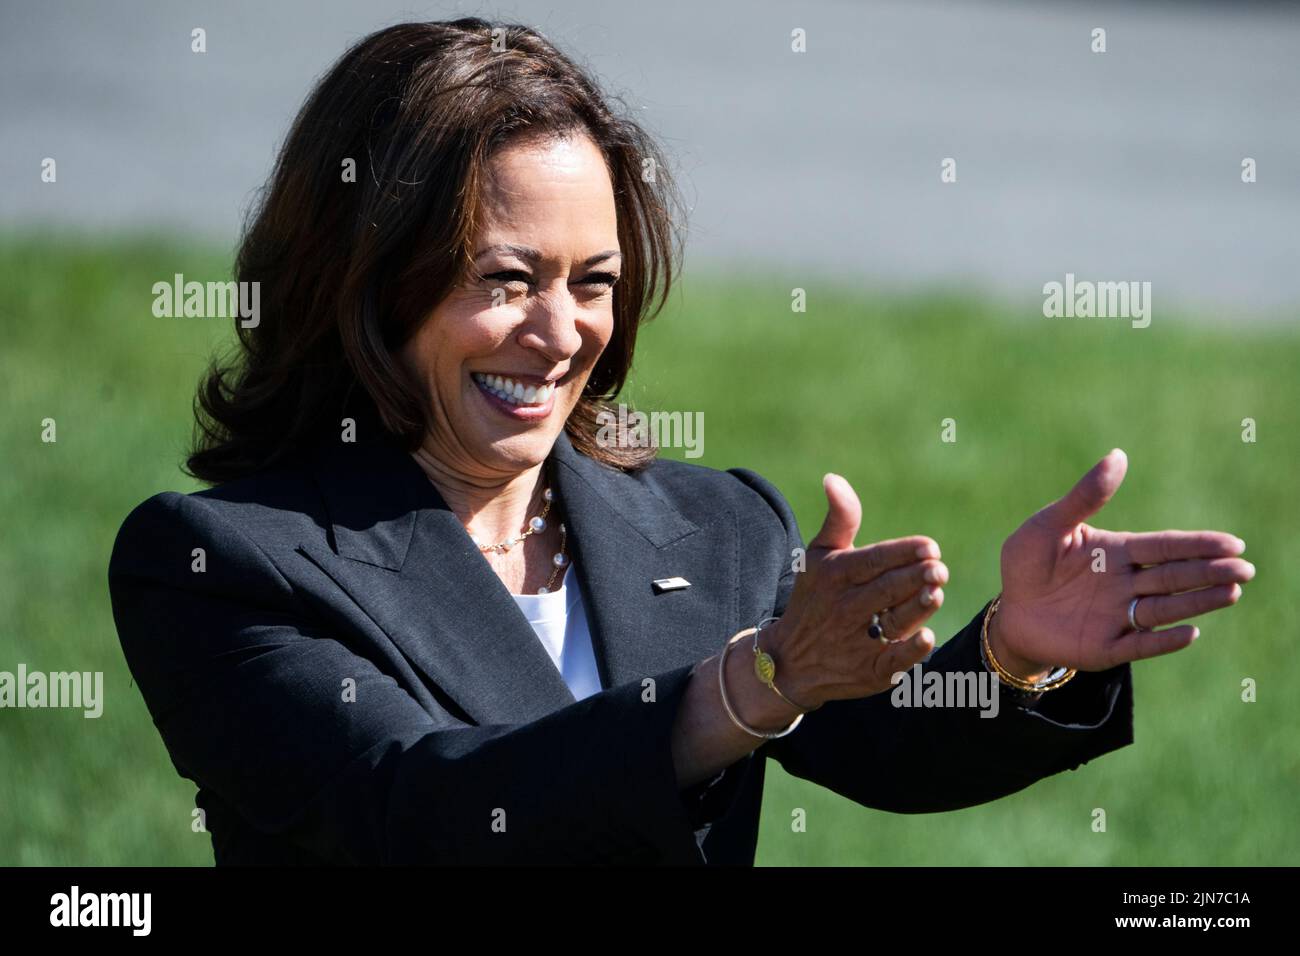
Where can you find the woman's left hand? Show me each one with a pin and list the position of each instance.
(1067, 586)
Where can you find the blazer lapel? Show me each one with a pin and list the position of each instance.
(405, 559)
(624, 537)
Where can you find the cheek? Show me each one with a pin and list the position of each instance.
(411, 358)
(454, 334)
(476, 335)
(599, 330)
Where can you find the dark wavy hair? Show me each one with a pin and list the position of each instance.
(348, 270)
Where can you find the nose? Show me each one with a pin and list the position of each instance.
(552, 325)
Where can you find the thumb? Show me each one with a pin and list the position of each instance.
(1090, 494)
(843, 517)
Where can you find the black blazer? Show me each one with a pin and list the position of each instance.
(349, 567)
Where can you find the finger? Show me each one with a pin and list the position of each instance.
(1166, 609)
(1139, 645)
(843, 515)
(1157, 547)
(864, 565)
(1178, 576)
(900, 656)
(908, 617)
(1089, 495)
(891, 589)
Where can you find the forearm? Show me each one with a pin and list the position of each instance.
(705, 740)
(908, 759)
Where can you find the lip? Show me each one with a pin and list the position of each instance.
(519, 413)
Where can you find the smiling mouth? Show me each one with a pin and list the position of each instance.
(515, 392)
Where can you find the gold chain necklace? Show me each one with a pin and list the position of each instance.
(536, 524)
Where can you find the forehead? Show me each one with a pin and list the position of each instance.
(548, 188)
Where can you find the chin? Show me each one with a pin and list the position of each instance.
(519, 452)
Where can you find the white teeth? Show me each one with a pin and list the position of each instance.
(516, 393)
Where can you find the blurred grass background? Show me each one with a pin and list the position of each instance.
(858, 384)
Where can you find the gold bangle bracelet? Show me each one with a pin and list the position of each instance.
(1057, 677)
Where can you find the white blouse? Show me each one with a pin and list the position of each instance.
(560, 621)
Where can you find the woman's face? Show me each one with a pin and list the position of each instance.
(535, 318)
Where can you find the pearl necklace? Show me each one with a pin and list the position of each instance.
(536, 524)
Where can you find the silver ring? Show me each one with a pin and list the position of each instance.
(874, 629)
(1132, 614)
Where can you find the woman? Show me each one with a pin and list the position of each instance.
(426, 614)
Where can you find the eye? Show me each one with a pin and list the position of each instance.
(519, 280)
(600, 280)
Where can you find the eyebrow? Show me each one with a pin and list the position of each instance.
(529, 254)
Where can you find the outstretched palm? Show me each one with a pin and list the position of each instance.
(1067, 586)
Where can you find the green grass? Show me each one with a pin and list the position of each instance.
(858, 385)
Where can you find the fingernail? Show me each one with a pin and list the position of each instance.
(932, 574)
(927, 550)
(927, 596)
(1241, 544)
(1196, 632)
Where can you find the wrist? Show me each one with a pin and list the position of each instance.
(786, 684)
(754, 703)
(1017, 665)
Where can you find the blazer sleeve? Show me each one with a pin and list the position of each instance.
(247, 692)
(922, 760)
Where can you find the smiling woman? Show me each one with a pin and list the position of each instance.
(491, 178)
(442, 618)
(517, 341)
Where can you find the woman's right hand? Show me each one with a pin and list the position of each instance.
(820, 644)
